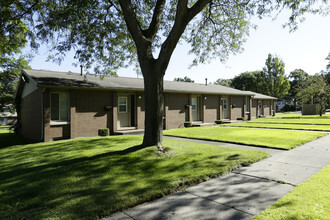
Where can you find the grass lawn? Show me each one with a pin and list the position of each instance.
(282, 139)
(283, 126)
(93, 177)
(308, 119)
(310, 200)
(8, 138)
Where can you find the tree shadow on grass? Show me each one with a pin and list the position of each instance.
(88, 179)
(11, 139)
(83, 187)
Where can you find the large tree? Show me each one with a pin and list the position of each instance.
(296, 77)
(9, 74)
(314, 90)
(251, 81)
(13, 37)
(223, 82)
(277, 84)
(109, 34)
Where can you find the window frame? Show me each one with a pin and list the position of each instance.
(126, 104)
(59, 121)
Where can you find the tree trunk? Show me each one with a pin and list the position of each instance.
(154, 109)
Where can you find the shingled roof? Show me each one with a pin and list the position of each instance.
(261, 96)
(64, 79)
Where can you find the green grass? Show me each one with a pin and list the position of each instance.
(281, 126)
(94, 177)
(310, 200)
(272, 138)
(286, 120)
(8, 138)
(297, 116)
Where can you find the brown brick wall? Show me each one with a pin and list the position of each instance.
(267, 107)
(31, 115)
(211, 108)
(254, 108)
(59, 132)
(176, 113)
(237, 111)
(90, 114)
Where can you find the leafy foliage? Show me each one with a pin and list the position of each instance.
(185, 79)
(250, 81)
(9, 78)
(314, 90)
(223, 82)
(277, 84)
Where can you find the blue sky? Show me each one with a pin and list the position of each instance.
(304, 49)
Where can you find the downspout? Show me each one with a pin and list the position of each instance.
(42, 115)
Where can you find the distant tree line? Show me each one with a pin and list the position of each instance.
(299, 86)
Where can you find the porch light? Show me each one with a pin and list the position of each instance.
(205, 97)
(139, 97)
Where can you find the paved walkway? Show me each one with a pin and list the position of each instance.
(243, 193)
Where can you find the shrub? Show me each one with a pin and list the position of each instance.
(218, 122)
(188, 124)
(240, 119)
(288, 108)
(104, 132)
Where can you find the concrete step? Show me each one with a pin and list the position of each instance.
(203, 124)
(130, 132)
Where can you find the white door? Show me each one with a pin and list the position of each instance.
(225, 108)
(123, 116)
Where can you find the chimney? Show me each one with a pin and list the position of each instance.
(206, 81)
(81, 70)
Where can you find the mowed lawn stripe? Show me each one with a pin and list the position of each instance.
(281, 126)
(89, 178)
(273, 138)
(310, 200)
(310, 121)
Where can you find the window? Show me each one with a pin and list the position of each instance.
(194, 104)
(122, 104)
(59, 106)
(224, 103)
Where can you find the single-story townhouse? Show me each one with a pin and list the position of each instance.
(262, 105)
(58, 105)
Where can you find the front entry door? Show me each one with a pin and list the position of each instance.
(225, 108)
(124, 114)
(195, 108)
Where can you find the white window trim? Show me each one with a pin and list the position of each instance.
(122, 104)
(60, 122)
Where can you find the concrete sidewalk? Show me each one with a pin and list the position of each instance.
(243, 193)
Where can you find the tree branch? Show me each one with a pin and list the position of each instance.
(183, 16)
(197, 8)
(150, 33)
(133, 25)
